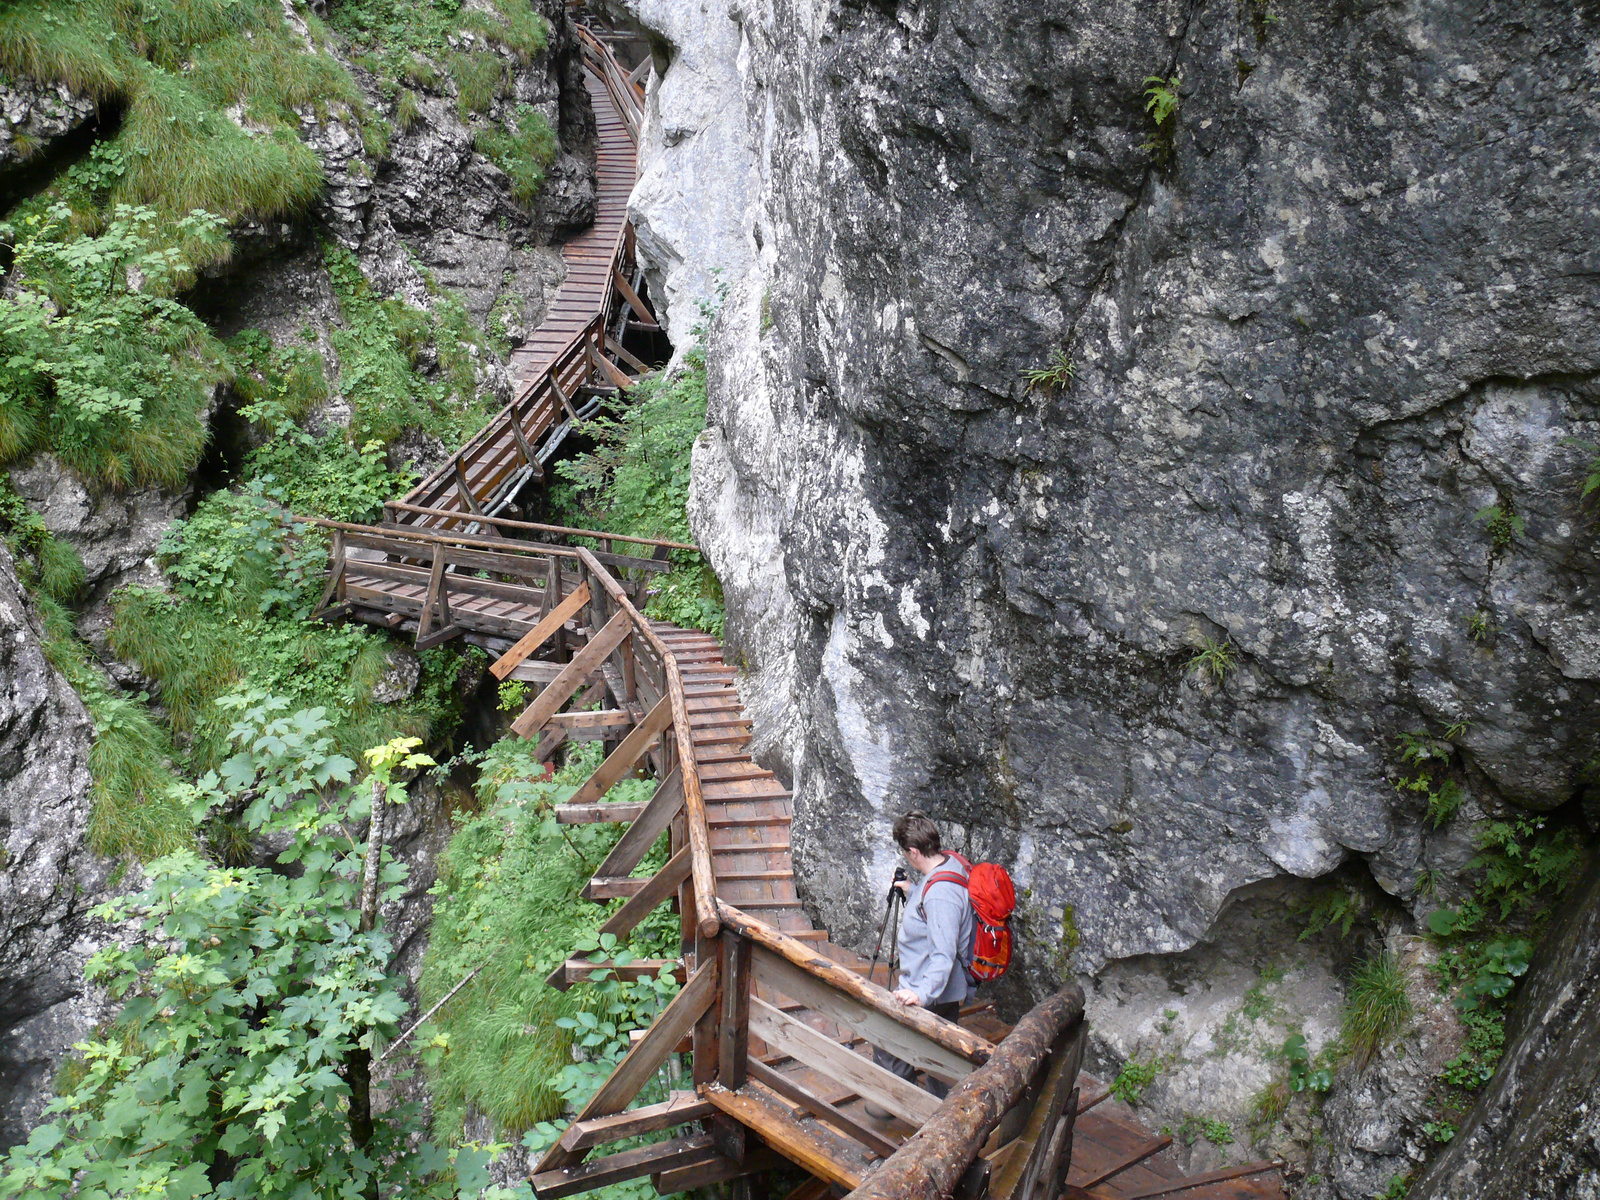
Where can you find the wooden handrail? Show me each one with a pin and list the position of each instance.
(694, 806)
(933, 1160)
(408, 533)
(936, 1029)
(458, 515)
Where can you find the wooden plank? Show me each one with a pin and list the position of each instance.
(1173, 1186)
(621, 760)
(735, 1023)
(541, 632)
(647, 827)
(606, 720)
(784, 1136)
(679, 1109)
(597, 814)
(1147, 1149)
(820, 1053)
(580, 970)
(609, 369)
(660, 887)
(641, 1061)
(601, 889)
(435, 591)
(820, 1108)
(586, 660)
(552, 1183)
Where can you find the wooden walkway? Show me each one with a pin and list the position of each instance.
(779, 1022)
(589, 254)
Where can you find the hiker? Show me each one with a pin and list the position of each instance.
(936, 937)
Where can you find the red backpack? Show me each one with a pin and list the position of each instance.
(993, 900)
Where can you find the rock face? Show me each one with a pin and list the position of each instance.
(1536, 1131)
(34, 120)
(48, 880)
(693, 209)
(1332, 334)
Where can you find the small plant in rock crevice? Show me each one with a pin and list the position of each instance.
(1056, 376)
(1161, 103)
(1213, 660)
(1502, 523)
(1134, 1077)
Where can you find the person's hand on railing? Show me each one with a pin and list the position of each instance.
(909, 998)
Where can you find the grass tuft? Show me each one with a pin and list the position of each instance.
(523, 153)
(1376, 1006)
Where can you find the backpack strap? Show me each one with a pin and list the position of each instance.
(944, 876)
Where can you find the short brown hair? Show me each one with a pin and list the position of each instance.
(914, 831)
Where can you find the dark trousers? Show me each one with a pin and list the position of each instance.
(904, 1069)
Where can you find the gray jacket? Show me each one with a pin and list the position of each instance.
(936, 950)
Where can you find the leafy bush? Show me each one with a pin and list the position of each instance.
(227, 1071)
(97, 361)
(1377, 1006)
(1306, 1074)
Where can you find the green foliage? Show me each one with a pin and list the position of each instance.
(1307, 1073)
(1334, 907)
(1481, 627)
(513, 696)
(1161, 100)
(1591, 479)
(504, 904)
(1213, 659)
(1500, 965)
(636, 481)
(225, 1073)
(97, 360)
(396, 38)
(44, 563)
(1396, 1188)
(1134, 1078)
(328, 477)
(379, 349)
(1486, 1041)
(1525, 862)
(246, 576)
(523, 153)
(1502, 524)
(276, 383)
(1440, 1131)
(1429, 757)
(1055, 377)
(1377, 1006)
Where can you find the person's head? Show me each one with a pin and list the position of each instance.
(918, 837)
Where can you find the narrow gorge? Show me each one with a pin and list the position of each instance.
(1159, 442)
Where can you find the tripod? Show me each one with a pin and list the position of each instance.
(892, 908)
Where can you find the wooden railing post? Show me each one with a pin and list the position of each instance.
(734, 1045)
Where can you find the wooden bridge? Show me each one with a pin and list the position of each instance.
(778, 1022)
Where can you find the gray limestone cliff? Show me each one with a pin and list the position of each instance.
(49, 881)
(1335, 349)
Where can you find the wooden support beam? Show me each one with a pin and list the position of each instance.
(543, 631)
(586, 660)
(443, 634)
(601, 889)
(647, 827)
(640, 1063)
(1173, 1186)
(660, 887)
(783, 1086)
(735, 1024)
(605, 721)
(823, 1054)
(719, 1170)
(636, 363)
(631, 297)
(679, 1109)
(464, 489)
(609, 369)
(580, 970)
(621, 760)
(336, 560)
(552, 1183)
(776, 972)
(784, 1135)
(430, 602)
(597, 814)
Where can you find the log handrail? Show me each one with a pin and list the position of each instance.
(933, 1160)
